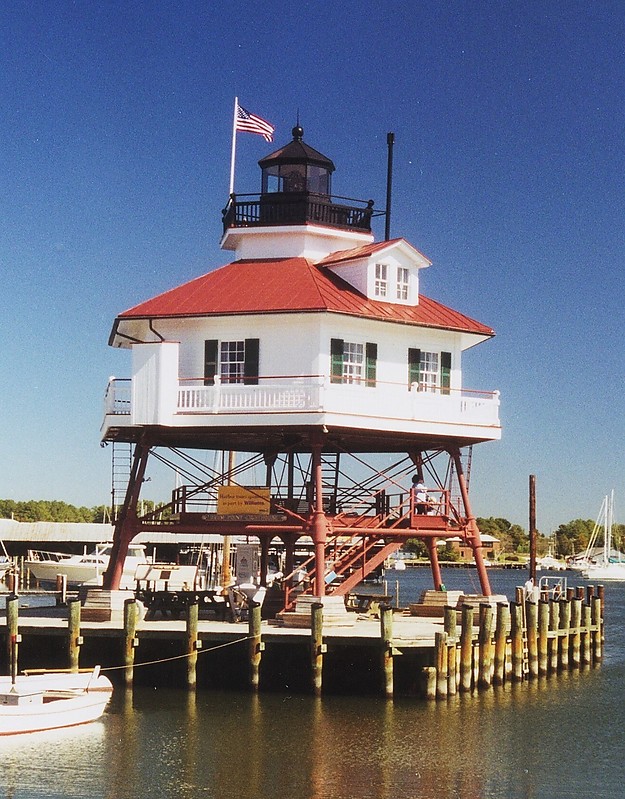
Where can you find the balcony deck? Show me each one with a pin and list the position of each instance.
(255, 210)
(373, 419)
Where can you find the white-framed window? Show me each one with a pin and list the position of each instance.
(428, 371)
(402, 283)
(232, 361)
(353, 362)
(381, 280)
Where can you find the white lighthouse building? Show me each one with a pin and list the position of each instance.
(315, 351)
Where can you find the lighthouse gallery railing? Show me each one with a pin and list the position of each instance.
(319, 394)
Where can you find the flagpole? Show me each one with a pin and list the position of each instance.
(234, 145)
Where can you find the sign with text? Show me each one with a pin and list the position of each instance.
(235, 500)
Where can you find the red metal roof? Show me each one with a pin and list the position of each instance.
(364, 252)
(290, 285)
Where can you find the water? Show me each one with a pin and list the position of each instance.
(521, 742)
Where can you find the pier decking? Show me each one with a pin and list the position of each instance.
(459, 650)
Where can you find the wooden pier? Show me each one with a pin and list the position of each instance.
(468, 649)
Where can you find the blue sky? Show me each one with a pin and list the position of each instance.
(509, 162)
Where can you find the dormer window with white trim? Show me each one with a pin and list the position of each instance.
(402, 282)
(381, 280)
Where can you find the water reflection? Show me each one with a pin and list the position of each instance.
(53, 764)
(560, 737)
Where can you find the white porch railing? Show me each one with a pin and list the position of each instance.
(118, 396)
(319, 395)
(298, 394)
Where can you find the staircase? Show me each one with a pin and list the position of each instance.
(121, 464)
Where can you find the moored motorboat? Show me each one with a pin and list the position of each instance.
(50, 701)
(86, 568)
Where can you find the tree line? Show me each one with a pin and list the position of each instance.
(569, 539)
(43, 510)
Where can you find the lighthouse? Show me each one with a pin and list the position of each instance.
(313, 353)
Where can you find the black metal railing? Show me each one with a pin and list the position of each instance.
(254, 210)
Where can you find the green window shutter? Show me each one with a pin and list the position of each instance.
(414, 366)
(336, 360)
(210, 361)
(251, 365)
(371, 358)
(445, 372)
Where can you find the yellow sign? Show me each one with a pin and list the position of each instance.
(233, 500)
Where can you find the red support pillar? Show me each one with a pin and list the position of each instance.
(473, 531)
(126, 526)
(434, 564)
(319, 526)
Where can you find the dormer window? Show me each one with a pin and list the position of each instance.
(381, 280)
(402, 283)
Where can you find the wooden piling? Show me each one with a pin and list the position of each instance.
(502, 625)
(531, 624)
(131, 618)
(386, 634)
(442, 665)
(450, 626)
(597, 635)
(466, 649)
(430, 682)
(12, 635)
(576, 638)
(12, 582)
(554, 626)
(565, 624)
(256, 646)
(74, 638)
(601, 595)
(516, 633)
(193, 644)
(317, 647)
(61, 589)
(485, 647)
(543, 637)
(586, 635)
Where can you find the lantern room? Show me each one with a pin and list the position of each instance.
(297, 168)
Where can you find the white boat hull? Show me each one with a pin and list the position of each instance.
(51, 701)
(611, 571)
(45, 567)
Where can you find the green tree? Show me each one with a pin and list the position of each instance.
(448, 553)
(416, 548)
(512, 536)
(572, 537)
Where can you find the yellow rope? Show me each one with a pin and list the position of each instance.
(177, 657)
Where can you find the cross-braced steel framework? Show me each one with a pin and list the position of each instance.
(355, 511)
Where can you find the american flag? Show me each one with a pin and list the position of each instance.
(253, 124)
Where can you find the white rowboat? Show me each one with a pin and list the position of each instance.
(51, 701)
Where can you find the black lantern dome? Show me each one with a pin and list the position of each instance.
(297, 168)
(296, 190)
